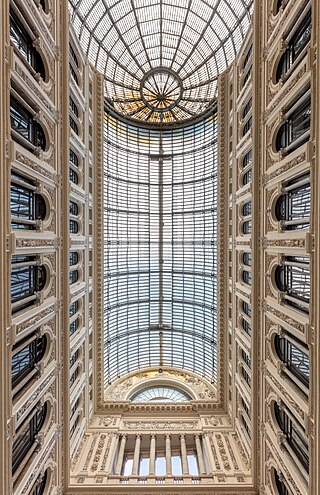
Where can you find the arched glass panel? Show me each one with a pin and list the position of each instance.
(294, 436)
(247, 108)
(247, 126)
(73, 358)
(26, 205)
(296, 359)
(247, 177)
(22, 41)
(74, 376)
(24, 124)
(297, 45)
(296, 130)
(73, 158)
(293, 207)
(26, 435)
(161, 394)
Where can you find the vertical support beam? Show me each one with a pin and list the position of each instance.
(121, 455)
(112, 453)
(201, 465)
(184, 459)
(136, 455)
(152, 468)
(168, 455)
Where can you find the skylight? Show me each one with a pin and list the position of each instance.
(161, 59)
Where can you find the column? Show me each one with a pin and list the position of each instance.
(168, 455)
(202, 467)
(152, 467)
(184, 459)
(112, 453)
(136, 456)
(120, 455)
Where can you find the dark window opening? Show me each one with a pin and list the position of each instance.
(293, 207)
(296, 130)
(247, 126)
(73, 258)
(24, 124)
(40, 485)
(294, 436)
(247, 259)
(246, 326)
(73, 308)
(26, 205)
(74, 227)
(295, 359)
(293, 278)
(22, 41)
(74, 325)
(247, 227)
(297, 44)
(282, 489)
(24, 360)
(246, 308)
(246, 277)
(26, 436)
(73, 208)
(27, 278)
(73, 276)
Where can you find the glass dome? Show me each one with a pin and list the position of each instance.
(161, 394)
(161, 59)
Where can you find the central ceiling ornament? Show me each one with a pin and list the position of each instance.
(161, 90)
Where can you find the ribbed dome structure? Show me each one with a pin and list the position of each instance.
(161, 59)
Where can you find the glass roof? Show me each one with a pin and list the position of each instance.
(161, 394)
(161, 58)
(160, 247)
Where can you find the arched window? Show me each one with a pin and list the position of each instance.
(281, 487)
(73, 176)
(73, 208)
(73, 169)
(73, 258)
(247, 209)
(246, 308)
(295, 356)
(278, 5)
(24, 126)
(27, 278)
(297, 47)
(246, 277)
(294, 435)
(246, 326)
(245, 376)
(293, 278)
(26, 205)
(73, 64)
(293, 207)
(247, 108)
(296, 130)
(74, 325)
(247, 227)
(247, 259)
(73, 276)
(20, 38)
(25, 355)
(246, 165)
(74, 226)
(73, 158)
(73, 308)
(73, 113)
(26, 435)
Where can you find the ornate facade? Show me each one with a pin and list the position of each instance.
(254, 428)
